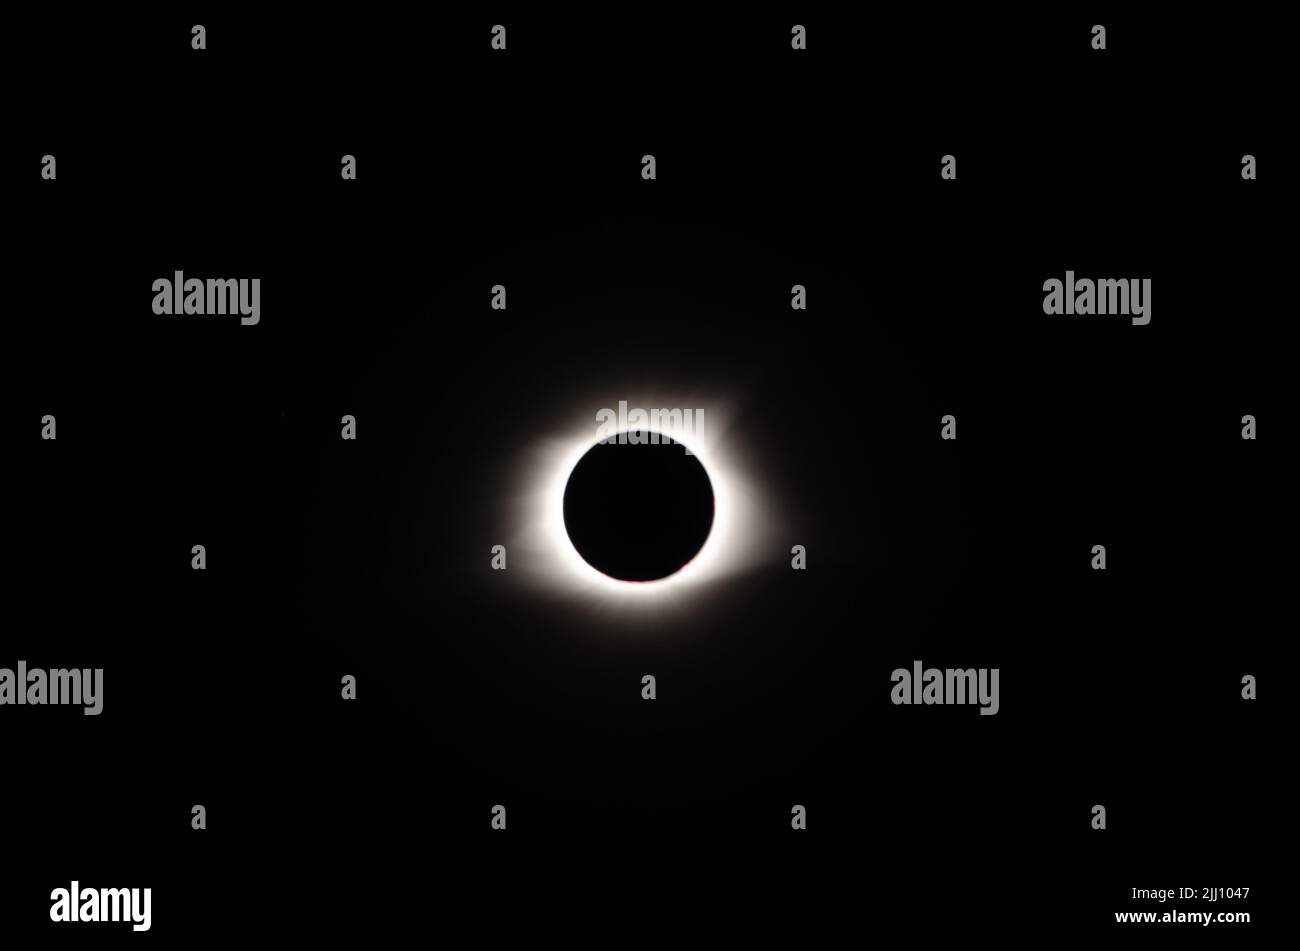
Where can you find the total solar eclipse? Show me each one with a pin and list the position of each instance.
(640, 510)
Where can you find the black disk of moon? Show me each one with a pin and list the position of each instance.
(638, 511)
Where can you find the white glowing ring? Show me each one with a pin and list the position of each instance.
(545, 555)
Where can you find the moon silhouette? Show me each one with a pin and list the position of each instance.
(638, 510)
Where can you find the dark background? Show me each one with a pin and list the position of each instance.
(371, 557)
